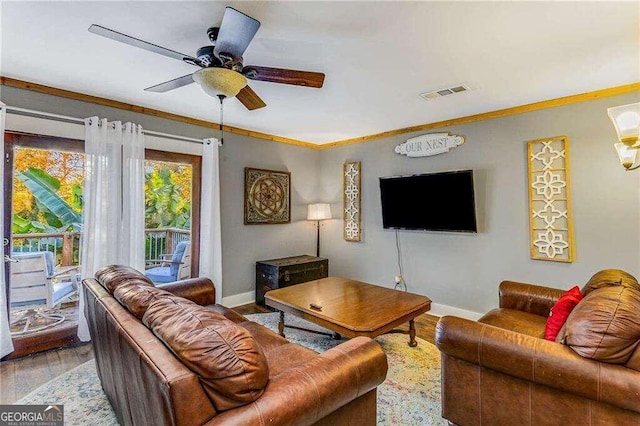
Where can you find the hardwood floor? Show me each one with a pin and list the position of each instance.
(20, 376)
(64, 334)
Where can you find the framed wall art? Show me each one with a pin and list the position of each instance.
(351, 201)
(550, 220)
(267, 196)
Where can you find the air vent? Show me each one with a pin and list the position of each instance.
(444, 92)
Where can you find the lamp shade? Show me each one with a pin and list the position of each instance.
(626, 120)
(220, 81)
(319, 211)
(627, 155)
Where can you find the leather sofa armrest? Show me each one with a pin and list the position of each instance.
(539, 361)
(530, 298)
(305, 394)
(198, 290)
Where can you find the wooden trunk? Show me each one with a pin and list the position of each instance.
(287, 271)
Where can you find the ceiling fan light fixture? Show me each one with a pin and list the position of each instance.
(220, 81)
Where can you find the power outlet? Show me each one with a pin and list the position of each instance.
(400, 284)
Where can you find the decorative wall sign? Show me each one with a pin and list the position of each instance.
(267, 196)
(351, 201)
(431, 144)
(550, 220)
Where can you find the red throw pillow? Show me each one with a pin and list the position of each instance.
(560, 311)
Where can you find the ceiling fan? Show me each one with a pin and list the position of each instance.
(222, 71)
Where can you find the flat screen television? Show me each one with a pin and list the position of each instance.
(429, 202)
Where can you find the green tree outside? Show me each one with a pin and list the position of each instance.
(48, 193)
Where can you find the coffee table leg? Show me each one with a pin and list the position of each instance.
(281, 324)
(412, 334)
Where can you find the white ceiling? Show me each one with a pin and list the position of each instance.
(377, 56)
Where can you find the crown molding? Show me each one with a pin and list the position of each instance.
(551, 103)
(35, 87)
(566, 100)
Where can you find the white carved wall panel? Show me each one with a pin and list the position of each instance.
(351, 201)
(550, 221)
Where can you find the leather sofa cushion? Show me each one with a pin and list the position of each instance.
(518, 321)
(280, 354)
(634, 359)
(231, 365)
(610, 277)
(113, 276)
(605, 325)
(137, 298)
(285, 357)
(227, 313)
(267, 338)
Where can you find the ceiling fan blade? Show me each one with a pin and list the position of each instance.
(171, 84)
(285, 76)
(132, 41)
(236, 32)
(250, 99)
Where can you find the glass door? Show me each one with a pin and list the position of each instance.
(172, 213)
(43, 216)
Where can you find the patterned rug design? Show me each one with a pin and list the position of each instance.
(409, 396)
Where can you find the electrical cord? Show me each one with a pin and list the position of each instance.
(222, 98)
(400, 284)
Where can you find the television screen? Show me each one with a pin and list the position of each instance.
(430, 202)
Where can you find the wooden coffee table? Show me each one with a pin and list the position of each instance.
(350, 307)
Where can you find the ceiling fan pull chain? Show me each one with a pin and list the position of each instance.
(222, 98)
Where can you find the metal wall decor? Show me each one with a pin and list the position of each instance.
(550, 220)
(351, 201)
(267, 196)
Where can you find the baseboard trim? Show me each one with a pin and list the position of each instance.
(442, 310)
(239, 299)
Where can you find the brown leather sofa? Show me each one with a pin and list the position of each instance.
(171, 356)
(501, 371)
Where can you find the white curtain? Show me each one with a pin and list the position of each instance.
(6, 346)
(210, 228)
(113, 217)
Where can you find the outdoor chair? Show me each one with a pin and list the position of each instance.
(175, 267)
(33, 282)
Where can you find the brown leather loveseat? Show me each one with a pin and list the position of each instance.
(171, 356)
(501, 371)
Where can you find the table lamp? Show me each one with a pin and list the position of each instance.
(318, 212)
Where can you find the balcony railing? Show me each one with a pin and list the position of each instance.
(159, 241)
(65, 246)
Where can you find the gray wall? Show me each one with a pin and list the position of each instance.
(452, 269)
(463, 270)
(243, 245)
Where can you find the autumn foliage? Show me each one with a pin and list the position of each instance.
(167, 191)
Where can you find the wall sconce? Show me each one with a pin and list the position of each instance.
(318, 212)
(626, 120)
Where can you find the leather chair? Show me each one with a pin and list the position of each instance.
(501, 371)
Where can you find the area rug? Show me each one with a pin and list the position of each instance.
(79, 390)
(409, 396)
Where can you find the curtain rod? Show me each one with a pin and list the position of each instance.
(34, 113)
